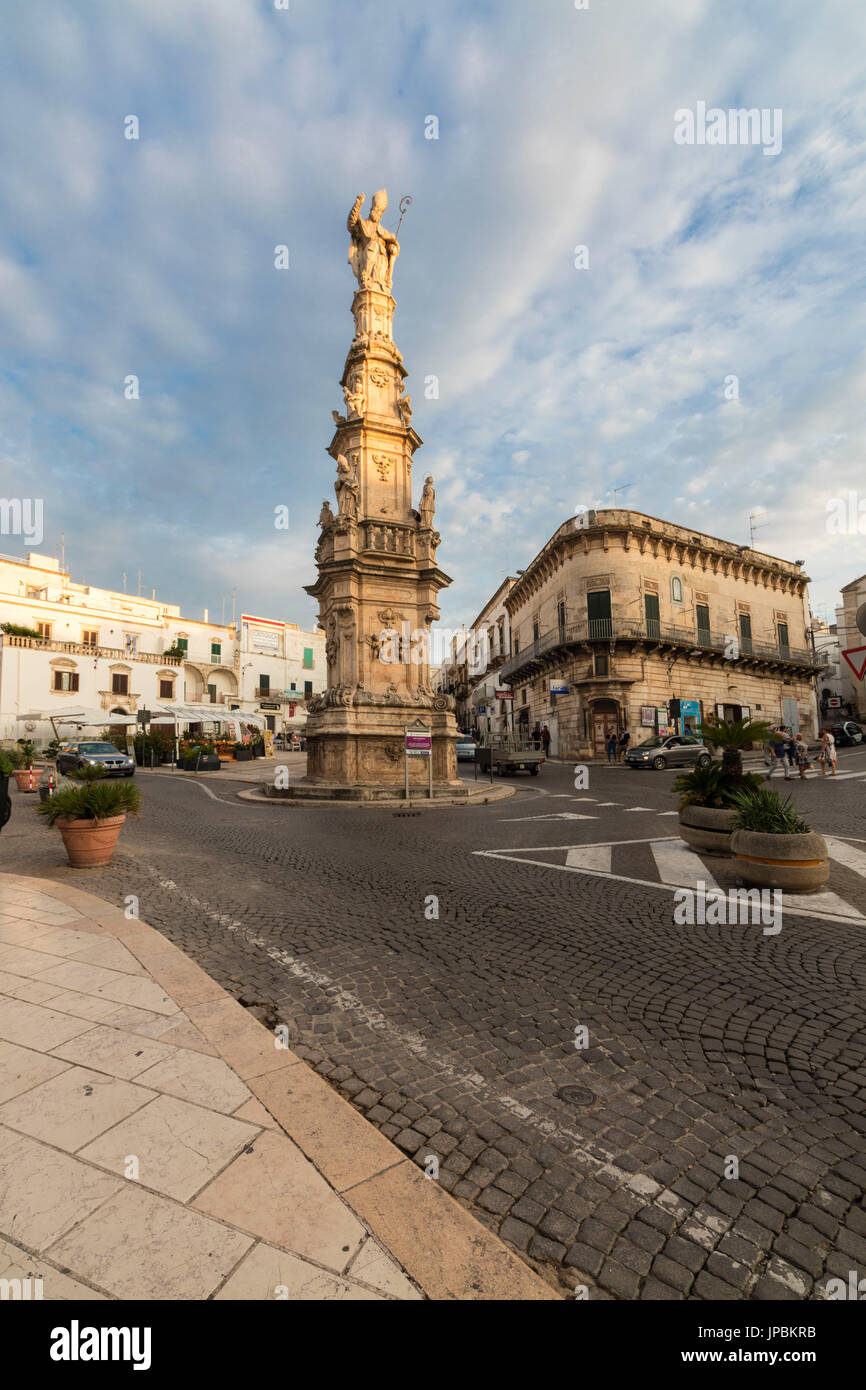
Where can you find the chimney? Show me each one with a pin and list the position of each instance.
(204, 619)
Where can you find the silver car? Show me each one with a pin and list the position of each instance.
(76, 755)
(673, 750)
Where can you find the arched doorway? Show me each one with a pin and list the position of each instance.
(605, 716)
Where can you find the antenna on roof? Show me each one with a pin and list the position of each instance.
(753, 527)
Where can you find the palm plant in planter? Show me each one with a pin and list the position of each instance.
(773, 845)
(733, 738)
(706, 805)
(89, 814)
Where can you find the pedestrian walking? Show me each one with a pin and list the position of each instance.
(778, 744)
(790, 748)
(545, 740)
(611, 746)
(624, 738)
(536, 735)
(801, 753)
(827, 755)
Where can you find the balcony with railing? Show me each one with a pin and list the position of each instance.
(700, 641)
(48, 644)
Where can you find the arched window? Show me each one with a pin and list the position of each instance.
(676, 589)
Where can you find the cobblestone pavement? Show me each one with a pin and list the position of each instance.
(456, 1035)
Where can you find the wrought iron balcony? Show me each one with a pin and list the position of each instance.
(652, 633)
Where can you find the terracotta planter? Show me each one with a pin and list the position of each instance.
(90, 843)
(707, 828)
(22, 777)
(795, 863)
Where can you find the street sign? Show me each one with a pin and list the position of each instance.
(834, 702)
(504, 694)
(419, 745)
(858, 667)
(558, 686)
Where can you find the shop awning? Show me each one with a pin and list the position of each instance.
(207, 714)
(84, 718)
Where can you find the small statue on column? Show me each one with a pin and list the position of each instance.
(427, 505)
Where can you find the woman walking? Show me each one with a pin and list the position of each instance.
(611, 746)
(828, 753)
(778, 741)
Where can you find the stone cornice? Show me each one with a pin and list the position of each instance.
(664, 540)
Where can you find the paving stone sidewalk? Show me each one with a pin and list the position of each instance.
(155, 1143)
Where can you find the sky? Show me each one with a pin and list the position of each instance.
(563, 376)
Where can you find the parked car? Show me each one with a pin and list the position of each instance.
(76, 755)
(847, 732)
(674, 750)
(466, 747)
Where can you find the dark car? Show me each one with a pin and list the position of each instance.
(674, 750)
(76, 755)
(847, 732)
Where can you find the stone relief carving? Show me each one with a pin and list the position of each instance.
(404, 409)
(355, 396)
(379, 376)
(383, 465)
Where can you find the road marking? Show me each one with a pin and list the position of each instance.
(846, 854)
(552, 815)
(680, 865)
(667, 813)
(512, 856)
(638, 808)
(826, 903)
(596, 857)
(610, 803)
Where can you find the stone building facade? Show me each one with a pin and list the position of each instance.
(852, 690)
(621, 612)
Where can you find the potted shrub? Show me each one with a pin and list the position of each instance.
(89, 814)
(773, 846)
(200, 757)
(706, 809)
(21, 769)
(243, 752)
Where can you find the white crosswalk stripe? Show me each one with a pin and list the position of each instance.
(846, 854)
(678, 864)
(596, 857)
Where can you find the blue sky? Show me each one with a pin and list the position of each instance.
(258, 127)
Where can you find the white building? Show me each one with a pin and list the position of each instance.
(122, 653)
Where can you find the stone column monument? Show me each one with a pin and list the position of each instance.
(378, 578)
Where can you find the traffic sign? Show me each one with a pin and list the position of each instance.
(859, 668)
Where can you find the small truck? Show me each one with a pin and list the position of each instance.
(509, 753)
